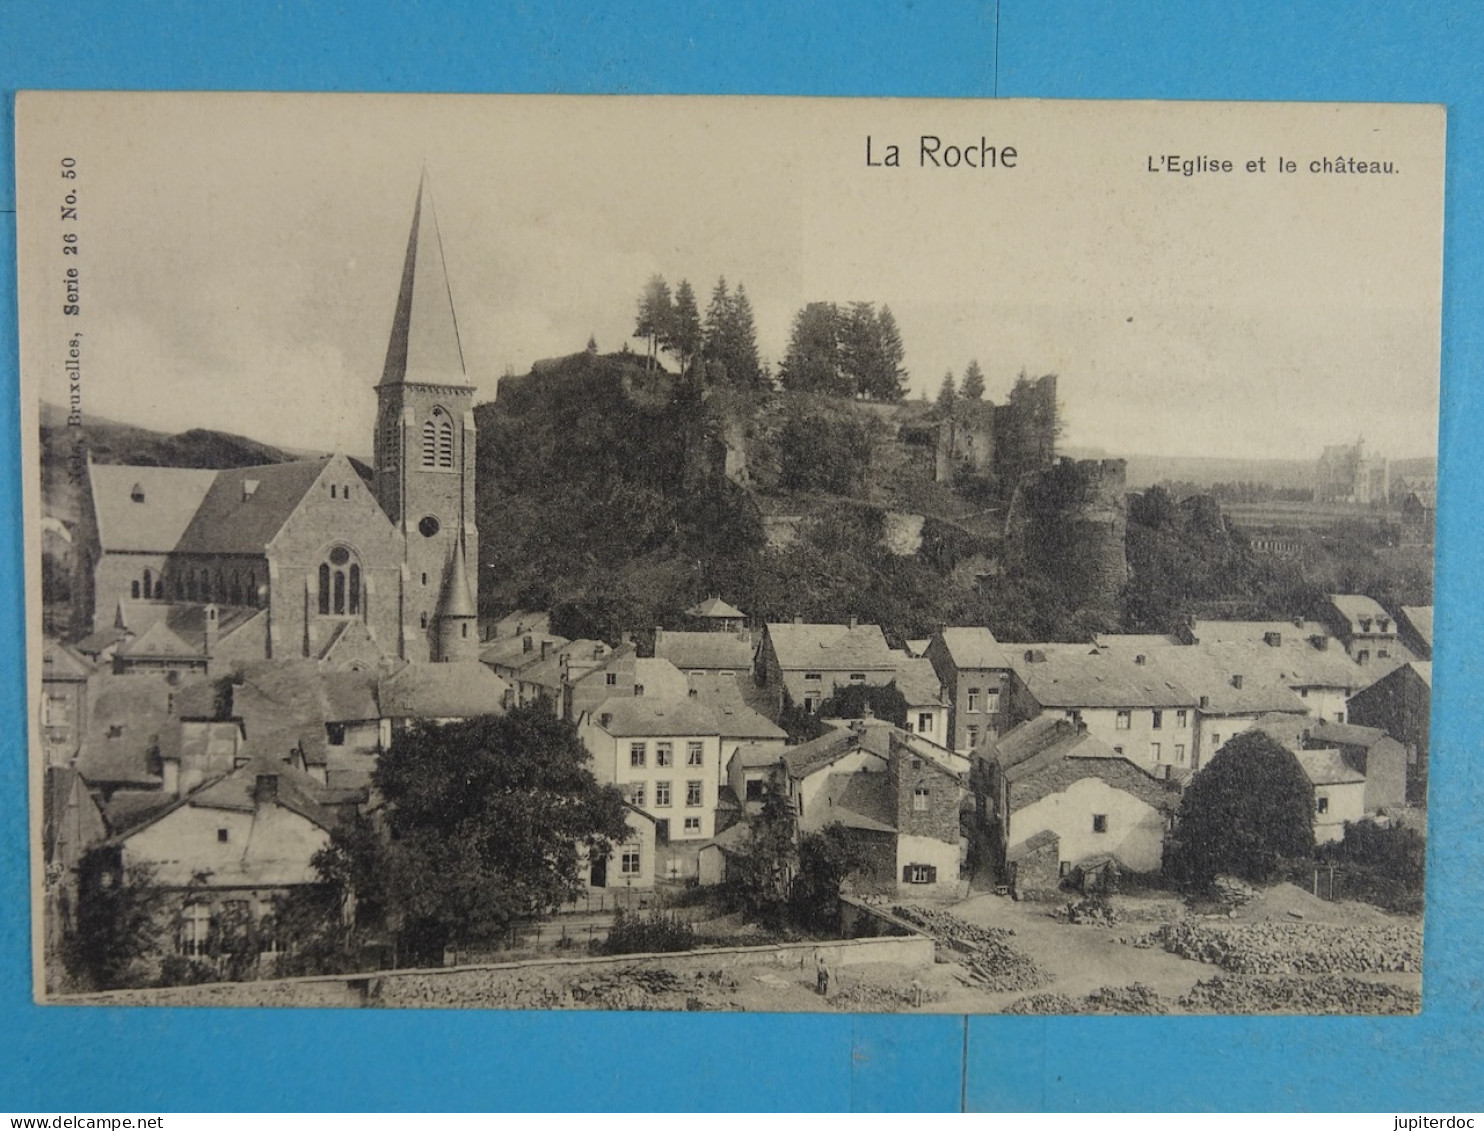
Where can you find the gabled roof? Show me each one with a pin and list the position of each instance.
(1212, 671)
(424, 347)
(521, 621)
(717, 608)
(1423, 668)
(1089, 678)
(757, 755)
(835, 647)
(1041, 741)
(423, 690)
(1420, 618)
(1328, 767)
(146, 509)
(60, 664)
(708, 651)
(645, 717)
(1033, 843)
(918, 683)
(719, 692)
(235, 518)
(1346, 734)
(128, 715)
(1354, 606)
(511, 651)
(974, 648)
(806, 758)
(1217, 631)
(180, 632)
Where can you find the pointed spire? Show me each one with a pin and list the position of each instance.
(424, 347)
(457, 598)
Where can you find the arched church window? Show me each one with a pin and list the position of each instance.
(430, 443)
(190, 584)
(148, 588)
(206, 585)
(252, 588)
(340, 584)
(235, 591)
(219, 587)
(134, 589)
(160, 588)
(425, 620)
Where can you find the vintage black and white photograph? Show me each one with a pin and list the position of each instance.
(722, 554)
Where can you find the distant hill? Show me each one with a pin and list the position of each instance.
(1205, 471)
(112, 442)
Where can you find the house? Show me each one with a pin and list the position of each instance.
(519, 623)
(1381, 759)
(1414, 628)
(441, 692)
(71, 823)
(306, 558)
(631, 863)
(228, 849)
(714, 651)
(737, 722)
(804, 664)
(619, 672)
(1339, 792)
(751, 767)
(506, 655)
(1139, 709)
(1368, 632)
(1400, 704)
(665, 754)
(131, 729)
(927, 707)
(900, 808)
(973, 668)
(1055, 798)
(715, 615)
(545, 678)
(64, 702)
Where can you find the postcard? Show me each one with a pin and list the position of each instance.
(729, 554)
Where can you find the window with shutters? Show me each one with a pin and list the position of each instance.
(919, 874)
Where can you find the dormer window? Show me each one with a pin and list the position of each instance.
(136, 493)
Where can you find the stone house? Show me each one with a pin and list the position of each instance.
(1400, 704)
(1339, 791)
(1414, 627)
(1054, 797)
(973, 669)
(804, 664)
(713, 651)
(1368, 632)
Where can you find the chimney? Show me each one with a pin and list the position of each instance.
(1205, 702)
(1273, 639)
(527, 645)
(1237, 682)
(1139, 659)
(211, 627)
(545, 647)
(854, 622)
(1298, 622)
(798, 620)
(265, 789)
(1035, 656)
(170, 777)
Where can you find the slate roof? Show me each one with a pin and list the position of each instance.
(1424, 669)
(1032, 843)
(170, 498)
(61, 664)
(1354, 606)
(918, 683)
(704, 650)
(1099, 679)
(137, 706)
(804, 759)
(974, 648)
(715, 607)
(442, 691)
(180, 631)
(1420, 618)
(1327, 767)
(424, 346)
(630, 717)
(1135, 641)
(1210, 671)
(228, 523)
(1215, 631)
(1346, 734)
(758, 755)
(719, 692)
(833, 647)
(510, 651)
(1039, 742)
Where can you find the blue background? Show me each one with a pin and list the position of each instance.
(160, 1060)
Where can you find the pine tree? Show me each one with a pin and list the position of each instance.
(747, 371)
(656, 314)
(812, 361)
(860, 349)
(947, 396)
(684, 338)
(592, 344)
(973, 387)
(892, 378)
(715, 329)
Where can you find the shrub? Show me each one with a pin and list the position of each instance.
(655, 933)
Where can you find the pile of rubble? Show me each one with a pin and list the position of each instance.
(986, 952)
(877, 997)
(1232, 891)
(1294, 948)
(1289, 994)
(646, 987)
(1137, 998)
(1093, 913)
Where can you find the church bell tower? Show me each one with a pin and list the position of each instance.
(424, 454)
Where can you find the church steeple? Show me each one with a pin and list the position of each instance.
(424, 446)
(424, 347)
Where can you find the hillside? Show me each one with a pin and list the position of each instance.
(112, 442)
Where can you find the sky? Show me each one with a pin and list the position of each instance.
(239, 255)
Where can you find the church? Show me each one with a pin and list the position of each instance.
(181, 569)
